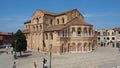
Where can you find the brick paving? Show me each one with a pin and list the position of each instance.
(100, 58)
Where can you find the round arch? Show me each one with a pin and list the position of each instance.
(73, 46)
(79, 31)
(79, 48)
(85, 46)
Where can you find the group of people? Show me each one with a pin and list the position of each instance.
(35, 65)
(44, 63)
(9, 49)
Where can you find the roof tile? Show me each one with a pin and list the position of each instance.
(75, 21)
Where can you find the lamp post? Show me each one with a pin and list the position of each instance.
(50, 54)
(15, 50)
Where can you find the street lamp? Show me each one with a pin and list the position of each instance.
(15, 57)
(50, 54)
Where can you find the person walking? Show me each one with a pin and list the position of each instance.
(34, 65)
(11, 50)
(14, 66)
(6, 49)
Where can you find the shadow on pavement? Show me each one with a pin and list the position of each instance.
(25, 55)
(1, 46)
(2, 52)
(27, 51)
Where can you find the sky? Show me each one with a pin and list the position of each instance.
(100, 13)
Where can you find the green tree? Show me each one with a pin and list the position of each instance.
(19, 42)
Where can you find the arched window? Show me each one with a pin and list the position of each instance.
(79, 46)
(58, 21)
(40, 27)
(51, 34)
(37, 20)
(112, 33)
(58, 33)
(33, 28)
(36, 27)
(73, 44)
(113, 38)
(63, 33)
(79, 31)
(85, 30)
(51, 22)
(73, 29)
(99, 38)
(98, 33)
(46, 36)
(62, 20)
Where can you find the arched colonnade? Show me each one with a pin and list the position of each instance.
(81, 47)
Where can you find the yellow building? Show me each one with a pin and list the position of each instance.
(66, 32)
(111, 38)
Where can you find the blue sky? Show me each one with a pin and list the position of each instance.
(99, 13)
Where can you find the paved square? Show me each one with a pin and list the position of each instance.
(99, 58)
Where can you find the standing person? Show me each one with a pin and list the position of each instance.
(44, 63)
(38, 49)
(6, 49)
(35, 65)
(14, 66)
(11, 50)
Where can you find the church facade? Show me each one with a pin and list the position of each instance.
(67, 32)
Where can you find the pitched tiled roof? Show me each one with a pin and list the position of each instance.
(27, 22)
(54, 14)
(75, 21)
(26, 31)
(1, 37)
(116, 29)
(65, 12)
(46, 12)
(5, 33)
(55, 27)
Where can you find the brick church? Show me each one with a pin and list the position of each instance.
(67, 32)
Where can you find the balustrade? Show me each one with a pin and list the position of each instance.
(77, 35)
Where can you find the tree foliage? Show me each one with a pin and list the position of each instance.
(19, 41)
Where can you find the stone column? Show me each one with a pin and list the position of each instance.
(82, 49)
(87, 32)
(76, 48)
(90, 47)
(82, 31)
